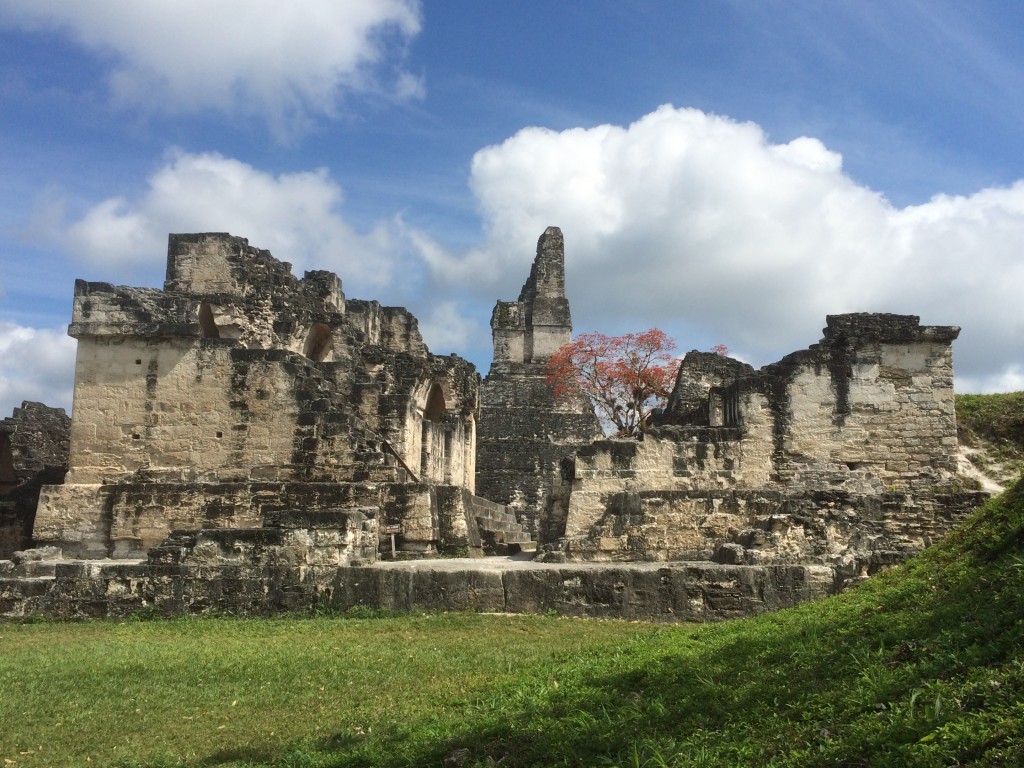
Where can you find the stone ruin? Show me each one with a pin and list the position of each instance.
(843, 454)
(247, 441)
(239, 393)
(33, 453)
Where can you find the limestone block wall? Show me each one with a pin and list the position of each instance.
(427, 413)
(289, 539)
(867, 411)
(874, 397)
(523, 435)
(435, 519)
(205, 410)
(74, 517)
(124, 520)
(236, 374)
(674, 592)
(508, 324)
(135, 517)
(855, 533)
(667, 525)
(669, 458)
(12, 537)
(606, 470)
(393, 328)
(178, 409)
(204, 264)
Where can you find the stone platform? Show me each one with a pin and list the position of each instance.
(679, 591)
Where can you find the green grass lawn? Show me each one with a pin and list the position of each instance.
(920, 666)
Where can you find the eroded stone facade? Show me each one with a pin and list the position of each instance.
(842, 454)
(250, 442)
(33, 453)
(239, 391)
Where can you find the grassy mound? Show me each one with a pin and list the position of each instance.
(992, 428)
(920, 666)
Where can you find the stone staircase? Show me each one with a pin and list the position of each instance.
(500, 532)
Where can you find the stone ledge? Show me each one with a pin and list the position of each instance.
(696, 591)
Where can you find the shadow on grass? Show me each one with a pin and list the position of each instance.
(921, 666)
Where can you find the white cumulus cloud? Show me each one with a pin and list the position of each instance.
(296, 216)
(446, 329)
(704, 226)
(38, 364)
(284, 60)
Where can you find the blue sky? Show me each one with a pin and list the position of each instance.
(728, 171)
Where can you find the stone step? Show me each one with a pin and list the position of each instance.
(493, 544)
(498, 525)
(35, 569)
(490, 517)
(512, 537)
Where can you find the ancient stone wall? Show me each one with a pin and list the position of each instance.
(33, 453)
(522, 431)
(874, 397)
(699, 373)
(246, 441)
(238, 376)
(264, 573)
(865, 415)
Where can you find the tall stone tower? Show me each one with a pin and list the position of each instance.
(522, 432)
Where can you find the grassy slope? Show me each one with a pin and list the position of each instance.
(993, 427)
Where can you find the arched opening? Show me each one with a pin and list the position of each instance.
(318, 342)
(435, 407)
(207, 325)
(435, 441)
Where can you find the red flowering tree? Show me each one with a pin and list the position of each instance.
(625, 377)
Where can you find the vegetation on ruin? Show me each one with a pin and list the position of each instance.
(920, 666)
(991, 428)
(625, 377)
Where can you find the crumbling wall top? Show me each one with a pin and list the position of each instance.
(531, 329)
(33, 439)
(102, 309)
(547, 276)
(883, 327)
(217, 263)
(698, 373)
(322, 285)
(507, 315)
